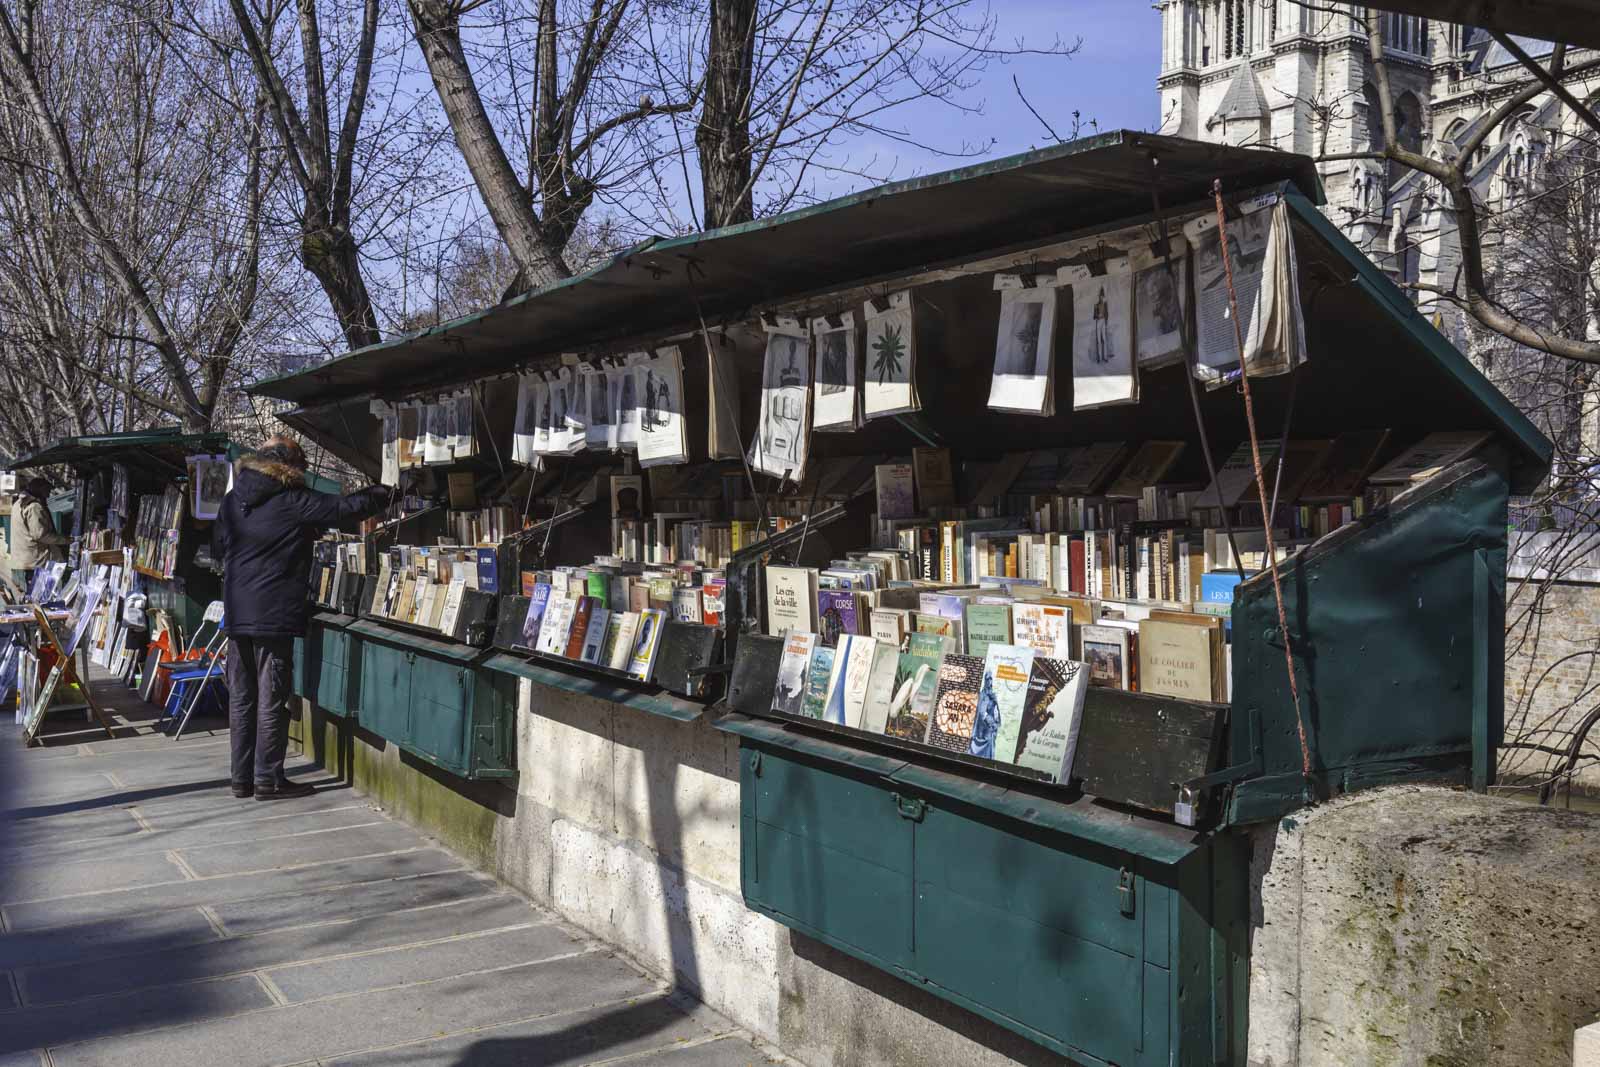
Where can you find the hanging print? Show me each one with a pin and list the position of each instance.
(410, 439)
(1160, 304)
(389, 420)
(463, 442)
(438, 429)
(1103, 370)
(836, 393)
(627, 401)
(661, 431)
(525, 435)
(780, 445)
(1024, 354)
(592, 387)
(890, 384)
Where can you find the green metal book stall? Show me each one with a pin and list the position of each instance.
(1101, 912)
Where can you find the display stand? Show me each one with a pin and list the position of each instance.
(64, 670)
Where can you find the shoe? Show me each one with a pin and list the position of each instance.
(284, 790)
(248, 789)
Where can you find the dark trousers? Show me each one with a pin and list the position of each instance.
(260, 675)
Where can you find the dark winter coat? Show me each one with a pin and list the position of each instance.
(263, 536)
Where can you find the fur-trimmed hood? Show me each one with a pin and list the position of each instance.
(259, 479)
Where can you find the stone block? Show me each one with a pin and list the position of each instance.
(1586, 1046)
(566, 763)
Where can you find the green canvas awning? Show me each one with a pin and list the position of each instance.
(161, 450)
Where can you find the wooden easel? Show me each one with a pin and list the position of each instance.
(64, 668)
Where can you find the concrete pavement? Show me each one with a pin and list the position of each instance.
(149, 917)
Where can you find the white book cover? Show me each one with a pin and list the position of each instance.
(452, 605)
(1001, 700)
(627, 637)
(1053, 714)
(858, 660)
(625, 391)
(594, 637)
(438, 428)
(1103, 369)
(889, 386)
(836, 393)
(557, 624)
(1160, 304)
(1024, 353)
(643, 662)
(880, 687)
(662, 437)
(783, 429)
(793, 668)
(833, 706)
(1039, 626)
(791, 600)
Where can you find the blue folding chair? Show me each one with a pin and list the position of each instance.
(201, 677)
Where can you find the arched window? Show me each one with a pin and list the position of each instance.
(1406, 33)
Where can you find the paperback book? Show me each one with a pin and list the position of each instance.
(1001, 701)
(955, 708)
(1052, 715)
(793, 666)
(818, 675)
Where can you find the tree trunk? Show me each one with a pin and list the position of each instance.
(332, 256)
(723, 135)
(438, 32)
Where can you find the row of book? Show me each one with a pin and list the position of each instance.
(584, 629)
(1010, 705)
(156, 532)
(686, 591)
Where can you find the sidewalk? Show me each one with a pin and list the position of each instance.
(148, 917)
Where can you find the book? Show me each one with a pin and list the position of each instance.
(858, 654)
(896, 491)
(608, 646)
(987, 624)
(557, 624)
(793, 666)
(1147, 467)
(1287, 477)
(880, 687)
(1045, 628)
(594, 638)
(818, 675)
(1429, 456)
(642, 664)
(915, 685)
(1000, 702)
(791, 600)
(1052, 715)
(1237, 476)
(1180, 655)
(686, 603)
(955, 703)
(453, 596)
(836, 615)
(935, 481)
(537, 603)
(1344, 472)
(488, 571)
(1109, 652)
(713, 600)
(1084, 470)
(627, 637)
(579, 632)
(889, 626)
(597, 584)
(1216, 593)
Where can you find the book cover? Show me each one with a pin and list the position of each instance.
(818, 675)
(1001, 701)
(1147, 467)
(627, 637)
(791, 600)
(935, 480)
(1052, 715)
(1343, 474)
(488, 571)
(1216, 593)
(686, 603)
(638, 596)
(1045, 628)
(643, 662)
(580, 627)
(836, 615)
(597, 584)
(955, 703)
(857, 652)
(661, 594)
(608, 647)
(987, 624)
(1108, 651)
(1429, 456)
(880, 687)
(1174, 660)
(793, 666)
(530, 580)
(537, 604)
(452, 605)
(896, 493)
(1237, 476)
(1086, 469)
(557, 624)
(889, 626)
(713, 601)
(594, 638)
(915, 685)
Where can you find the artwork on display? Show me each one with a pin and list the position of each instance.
(389, 420)
(561, 424)
(662, 437)
(409, 447)
(889, 386)
(86, 609)
(779, 448)
(625, 386)
(597, 405)
(1024, 354)
(437, 431)
(119, 490)
(1265, 283)
(1160, 302)
(1103, 370)
(525, 431)
(836, 392)
(463, 440)
(211, 477)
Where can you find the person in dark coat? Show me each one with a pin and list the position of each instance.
(263, 537)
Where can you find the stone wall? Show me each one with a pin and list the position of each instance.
(1420, 926)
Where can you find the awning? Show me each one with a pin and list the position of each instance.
(161, 450)
(1571, 21)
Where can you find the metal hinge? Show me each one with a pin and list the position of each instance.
(1125, 891)
(755, 764)
(913, 808)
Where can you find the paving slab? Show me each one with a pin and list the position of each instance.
(27, 881)
(196, 834)
(112, 937)
(321, 846)
(104, 906)
(111, 1019)
(724, 1052)
(235, 955)
(350, 902)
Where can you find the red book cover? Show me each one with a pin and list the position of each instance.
(580, 628)
(1076, 582)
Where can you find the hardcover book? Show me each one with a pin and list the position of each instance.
(643, 662)
(955, 703)
(1052, 715)
(818, 675)
(791, 597)
(1181, 658)
(1109, 651)
(1000, 702)
(789, 691)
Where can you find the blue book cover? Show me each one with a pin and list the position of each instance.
(488, 571)
(536, 605)
(1216, 592)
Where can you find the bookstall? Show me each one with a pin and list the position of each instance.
(1033, 527)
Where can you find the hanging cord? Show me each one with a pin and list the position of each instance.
(1261, 488)
(1191, 357)
(498, 462)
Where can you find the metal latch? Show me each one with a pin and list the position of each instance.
(755, 763)
(913, 808)
(1125, 891)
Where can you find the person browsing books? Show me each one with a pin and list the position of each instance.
(34, 540)
(263, 537)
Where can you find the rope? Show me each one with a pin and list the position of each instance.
(1261, 486)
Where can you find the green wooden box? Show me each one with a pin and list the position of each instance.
(436, 700)
(1109, 938)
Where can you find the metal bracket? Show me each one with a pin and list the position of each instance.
(913, 808)
(1125, 899)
